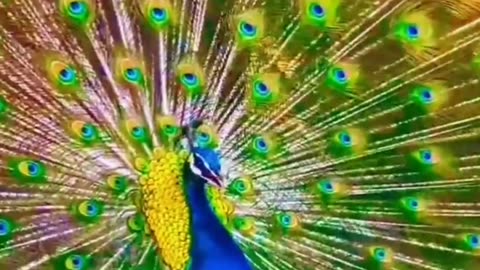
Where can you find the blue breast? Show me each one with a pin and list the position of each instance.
(213, 247)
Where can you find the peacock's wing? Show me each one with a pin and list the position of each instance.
(348, 131)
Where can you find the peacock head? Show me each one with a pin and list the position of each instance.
(204, 160)
(205, 163)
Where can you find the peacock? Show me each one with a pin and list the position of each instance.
(239, 134)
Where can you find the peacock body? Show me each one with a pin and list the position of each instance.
(239, 134)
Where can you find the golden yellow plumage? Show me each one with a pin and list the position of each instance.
(165, 207)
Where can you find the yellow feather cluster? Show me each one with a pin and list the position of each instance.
(166, 208)
(223, 207)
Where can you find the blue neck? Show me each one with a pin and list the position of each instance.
(213, 247)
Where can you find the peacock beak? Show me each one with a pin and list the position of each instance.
(215, 180)
(199, 168)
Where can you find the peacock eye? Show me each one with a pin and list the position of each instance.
(89, 209)
(413, 31)
(88, 131)
(261, 145)
(345, 138)
(426, 96)
(327, 187)
(159, 14)
(412, 204)
(241, 186)
(248, 30)
(203, 137)
(75, 262)
(67, 75)
(77, 8)
(132, 74)
(317, 11)
(474, 241)
(380, 254)
(33, 169)
(85, 133)
(138, 132)
(286, 220)
(4, 227)
(190, 79)
(426, 156)
(340, 75)
(29, 170)
(117, 183)
(261, 89)
(169, 129)
(136, 223)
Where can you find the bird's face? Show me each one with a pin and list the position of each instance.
(205, 163)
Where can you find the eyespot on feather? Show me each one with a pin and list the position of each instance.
(28, 170)
(129, 69)
(85, 133)
(249, 28)
(79, 13)
(137, 131)
(169, 129)
(191, 76)
(206, 137)
(322, 14)
(157, 14)
(61, 73)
